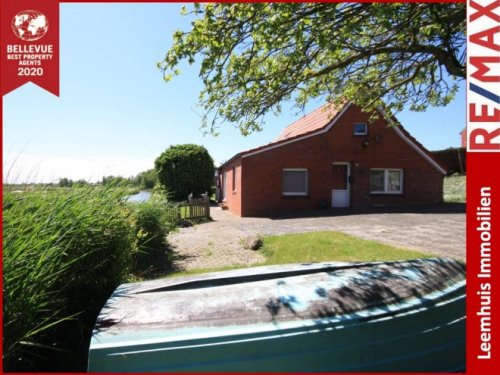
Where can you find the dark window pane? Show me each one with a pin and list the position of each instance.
(360, 129)
(234, 178)
(295, 182)
(377, 180)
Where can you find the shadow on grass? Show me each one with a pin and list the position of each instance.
(172, 263)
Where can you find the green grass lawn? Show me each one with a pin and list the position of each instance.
(454, 189)
(325, 246)
(330, 246)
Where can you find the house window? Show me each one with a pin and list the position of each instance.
(224, 185)
(360, 129)
(387, 181)
(295, 182)
(234, 179)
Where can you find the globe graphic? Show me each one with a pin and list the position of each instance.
(30, 25)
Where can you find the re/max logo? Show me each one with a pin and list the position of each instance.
(483, 75)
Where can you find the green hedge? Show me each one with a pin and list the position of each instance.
(185, 169)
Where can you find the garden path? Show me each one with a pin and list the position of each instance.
(438, 230)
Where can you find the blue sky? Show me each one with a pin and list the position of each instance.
(115, 114)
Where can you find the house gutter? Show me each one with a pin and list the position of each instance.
(230, 160)
(410, 143)
(393, 124)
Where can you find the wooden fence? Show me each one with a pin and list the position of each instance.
(194, 208)
(199, 207)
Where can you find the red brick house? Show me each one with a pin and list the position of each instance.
(463, 137)
(332, 158)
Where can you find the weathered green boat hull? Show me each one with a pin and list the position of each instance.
(420, 334)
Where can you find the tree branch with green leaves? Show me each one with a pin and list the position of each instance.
(256, 56)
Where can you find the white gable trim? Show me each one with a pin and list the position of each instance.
(412, 144)
(419, 150)
(334, 120)
(326, 129)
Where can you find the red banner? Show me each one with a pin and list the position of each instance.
(483, 239)
(483, 185)
(30, 44)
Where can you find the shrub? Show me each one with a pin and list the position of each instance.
(64, 252)
(151, 227)
(185, 169)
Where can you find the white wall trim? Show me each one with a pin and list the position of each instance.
(334, 120)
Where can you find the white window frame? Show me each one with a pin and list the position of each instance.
(354, 132)
(224, 186)
(386, 181)
(295, 193)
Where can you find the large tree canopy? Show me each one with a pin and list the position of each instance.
(255, 56)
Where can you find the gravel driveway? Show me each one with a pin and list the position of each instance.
(437, 230)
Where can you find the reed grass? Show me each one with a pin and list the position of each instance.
(64, 252)
(152, 223)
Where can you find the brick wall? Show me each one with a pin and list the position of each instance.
(381, 148)
(231, 195)
(463, 138)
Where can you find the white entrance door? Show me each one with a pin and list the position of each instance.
(340, 191)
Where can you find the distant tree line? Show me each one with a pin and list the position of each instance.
(179, 171)
(143, 180)
(67, 182)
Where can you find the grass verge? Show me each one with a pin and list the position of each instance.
(327, 246)
(454, 189)
(330, 246)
